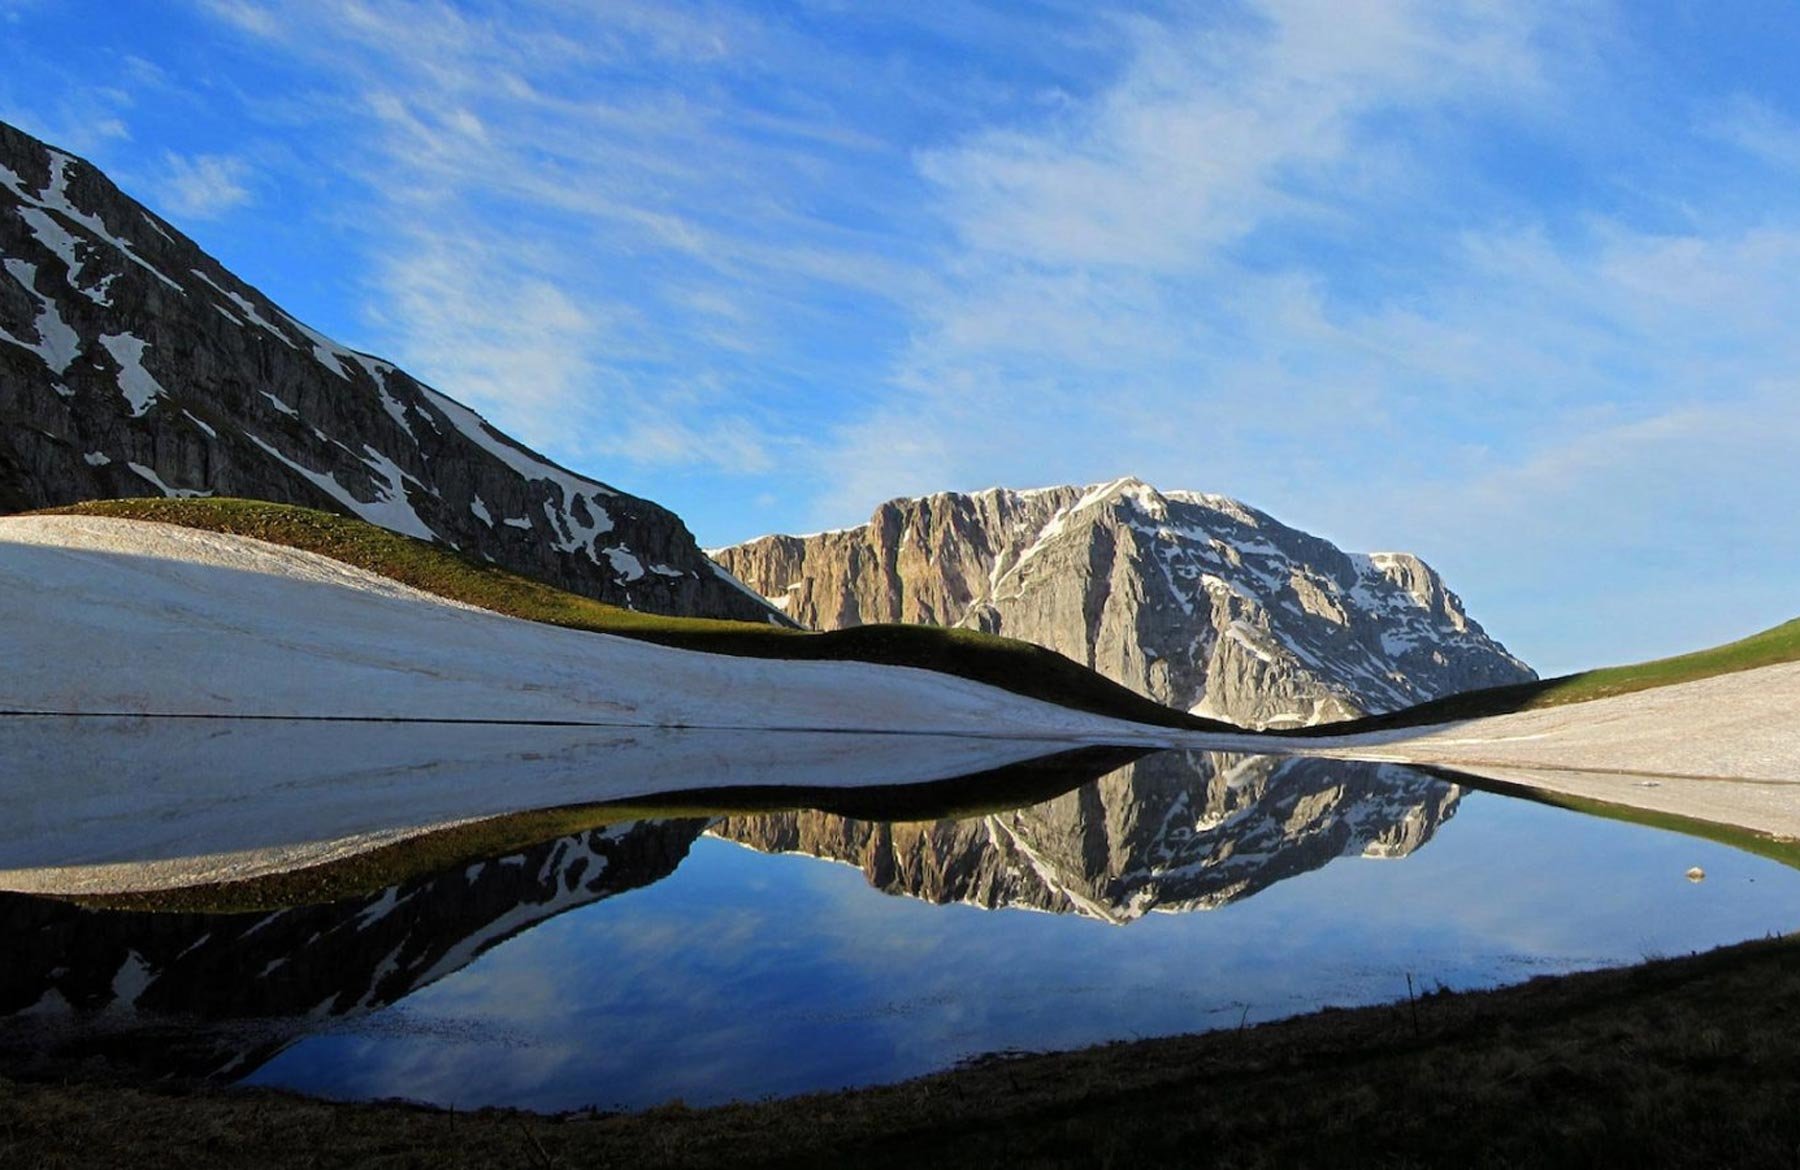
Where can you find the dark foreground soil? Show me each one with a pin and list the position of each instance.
(1683, 1062)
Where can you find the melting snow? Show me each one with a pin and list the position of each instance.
(1250, 639)
(248, 309)
(55, 198)
(133, 977)
(392, 509)
(58, 344)
(325, 350)
(278, 404)
(624, 564)
(283, 632)
(158, 228)
(149, 473)
(387, 511)
(135, 382)
(476, 430)
(572, 535)
(51, 233)
(379, 371)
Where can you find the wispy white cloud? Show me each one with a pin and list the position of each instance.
(204, 186)
(1100, 289)
(1756, 127)
(577, 214)
(1370, 265)
(87, 122)
(1518, 396)
(1215, 131)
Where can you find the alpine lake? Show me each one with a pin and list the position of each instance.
(737, 947)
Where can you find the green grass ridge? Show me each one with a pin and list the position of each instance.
(1771, 647)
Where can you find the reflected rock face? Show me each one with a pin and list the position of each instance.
(1175, 832)
(93, 978)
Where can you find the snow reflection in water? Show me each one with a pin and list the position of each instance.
(662, 959)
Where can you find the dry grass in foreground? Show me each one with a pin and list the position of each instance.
(1685, 1062)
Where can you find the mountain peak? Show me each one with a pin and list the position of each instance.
(1194, 599)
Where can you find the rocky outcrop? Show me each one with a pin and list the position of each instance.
(1174, 832)
(133, 364)
(1194, 600)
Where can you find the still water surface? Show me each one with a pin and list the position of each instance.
(713, 958)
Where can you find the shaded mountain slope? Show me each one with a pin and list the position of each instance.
(133, 364)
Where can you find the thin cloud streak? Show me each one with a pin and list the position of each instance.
(205, 186)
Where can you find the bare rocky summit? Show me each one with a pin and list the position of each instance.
(133, 364)
(1194, 600)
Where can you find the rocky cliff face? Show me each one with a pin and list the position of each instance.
(1195, 600)
(1174, 832)
(205, 994)
(133, 364)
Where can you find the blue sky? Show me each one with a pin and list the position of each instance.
(1507, 285)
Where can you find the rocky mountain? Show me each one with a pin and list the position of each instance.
(133, 364)
(1173, 832)
(198, 995)
(1194, 600)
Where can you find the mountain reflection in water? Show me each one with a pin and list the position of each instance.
(310, 990)
(1176, 831)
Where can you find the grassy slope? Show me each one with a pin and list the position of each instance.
(1007, 663)
(1769, 648)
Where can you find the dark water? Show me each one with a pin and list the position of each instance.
(711, 958)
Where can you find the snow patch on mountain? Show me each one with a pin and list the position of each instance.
(135, 382)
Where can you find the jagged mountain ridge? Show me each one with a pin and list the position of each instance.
(1194, 600)
(1176, 832)
(134, 364)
